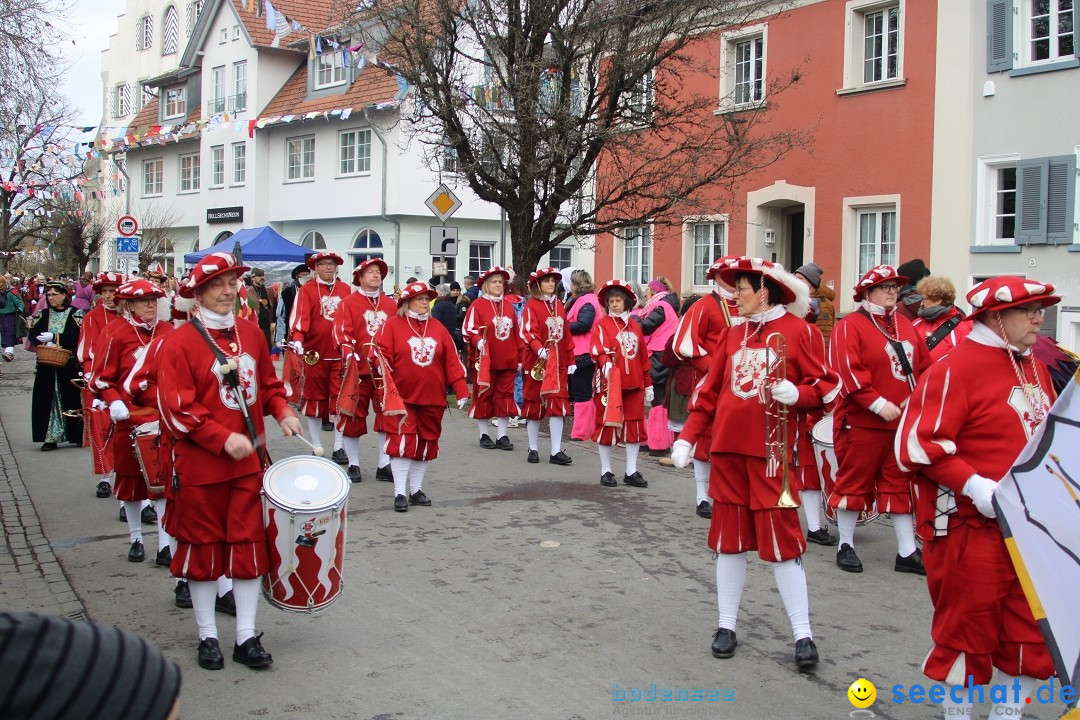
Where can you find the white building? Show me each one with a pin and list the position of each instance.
(249, 132)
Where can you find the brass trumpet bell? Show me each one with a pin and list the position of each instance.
(538, 371)
(311, 357)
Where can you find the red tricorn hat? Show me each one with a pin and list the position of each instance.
(209, 268)
(314, 258)
(497, 270)
(720, 264)
(610, 285)
(138, 289)
(108, 278)
(794, 294)
(540, 273)
(1006, 291)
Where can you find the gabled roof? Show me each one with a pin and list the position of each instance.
(146, 121)
(374, 86)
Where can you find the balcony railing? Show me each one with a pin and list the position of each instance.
(238, 102)
(215, 106)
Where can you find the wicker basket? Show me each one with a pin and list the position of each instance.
(53, 355)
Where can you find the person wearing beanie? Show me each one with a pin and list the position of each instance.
(822, 309)
(908, 300)
(879, 357)
(59, 669)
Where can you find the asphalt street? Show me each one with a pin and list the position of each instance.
(524, 591)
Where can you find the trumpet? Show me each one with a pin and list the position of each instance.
(777, 452)
(538, 370)
(311, 357)
(479, 355)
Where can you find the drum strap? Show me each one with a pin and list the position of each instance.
(898, 348)
(945, 329)
(233, 379)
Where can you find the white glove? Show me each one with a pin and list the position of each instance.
(44, 337)
(571, 370)
(480, 345)
(981, 492)
(680, 453)
(118, 411)
(297, 347)
(542, 353)
(98, 404)
(785, 392)
(649, 394)
(462, 402)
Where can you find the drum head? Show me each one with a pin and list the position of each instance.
(305, 484)
(822, 431)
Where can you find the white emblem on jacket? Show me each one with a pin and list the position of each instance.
(1018, 401)
(629, 344)
(748, 371)
(503, 325)
(246, 370)
(328, 305)
(423, 350)
(374, 320)
(555, 328)
(894, 359)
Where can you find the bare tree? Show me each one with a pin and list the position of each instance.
(156, 240)
(577, 117)
(79, 230)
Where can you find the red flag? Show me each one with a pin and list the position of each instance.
(392, 404)
(553, 379)
(613, 412)
(293, 375)
(349, 395)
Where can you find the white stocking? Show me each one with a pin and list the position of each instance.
(224, 585)
(952, 710)
(416, 475)
(482, 426)
(203, 599)
(504, 422)
(384, 459)
(605, 458)
(164, 540)
(555, 427)
(533, 428)
(701, 479)
(845, 524)
(1011, 708)
(352, 449)
(730, 578)
(811, 505)
(791, 582)
(904, 527)
(631, 457)
(314, 426)
(338, 438)
(246, 595)
(133, 509)
(400, 469)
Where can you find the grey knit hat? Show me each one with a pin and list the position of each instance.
(52, 667)
(812, 272)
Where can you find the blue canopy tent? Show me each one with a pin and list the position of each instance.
(258, 245)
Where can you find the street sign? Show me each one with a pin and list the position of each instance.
(443, 202)
(127, 263)
(439, 268)
(444, 241)
(127, 225)
(127, 245)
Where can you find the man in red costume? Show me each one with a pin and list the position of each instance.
(879, 357)
(312, 327)
(95, 323)
(216, 513)
(490, 330)
(356, 324)
(967, 421)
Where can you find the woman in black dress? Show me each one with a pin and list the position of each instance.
(54, 393)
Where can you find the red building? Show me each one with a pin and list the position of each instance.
(857, 195)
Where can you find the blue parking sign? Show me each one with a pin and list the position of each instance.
(127, 245)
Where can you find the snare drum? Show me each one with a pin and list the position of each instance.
(304, 504)
(825, 458)
(155, 461)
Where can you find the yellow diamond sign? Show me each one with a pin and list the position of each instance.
(443, 203)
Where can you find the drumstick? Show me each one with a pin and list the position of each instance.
(319, 452)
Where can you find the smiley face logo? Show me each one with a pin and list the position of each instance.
(862, 693)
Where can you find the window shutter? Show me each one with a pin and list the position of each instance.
(1060, 199)
(1031, 182)
(999, 35)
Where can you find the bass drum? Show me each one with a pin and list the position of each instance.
(825, 458)
(305, 500)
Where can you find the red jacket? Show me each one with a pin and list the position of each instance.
(121, 348)
(495, 322)
(544, 324)
(422, 359)
(357, 323)
(926, 328)
(94, 325)
(621, 344)
(312, 321)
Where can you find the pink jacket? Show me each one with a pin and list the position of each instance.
(581, 342)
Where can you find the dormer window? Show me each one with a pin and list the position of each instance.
(175, 103)
(329, 70)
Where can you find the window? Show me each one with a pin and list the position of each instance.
(189, 172)
(217, 166)
(123, 96)
(216, 104)
(637, 249)
(369, 245)
(235, 32)
(146, 96)
(561, 257)
(873, 55)
(239, 163)
(749, 70)
(144, 32)
(175, 102)
(449, 158)
(1050, 30)
(300, 158)
(1045, 200)
(153, 173)
(995, 211)
(639, 102)
(877, 238)
(191, 14)
(709, 244)
(313, 240)
(171, 24)
(480, 257)
(239, 99)
(223, 36)
(354, 148)
(329, 70)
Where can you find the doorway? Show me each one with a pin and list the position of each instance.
(794, 236)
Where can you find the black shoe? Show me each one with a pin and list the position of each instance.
(251, 653)
(847, 560)
(419, 498)
(210, 657)
(148, 515)
(385, 474)
(608, 480)
(164, 557)
(103, 489)
(635, 480)
(401, 503)
(354, 473)
(340, 457)
(183, 594)
(136, 553)
(45, 447)
(225, 604)
(724, 643)
(123, 514)
(660, 453)
(704, 509)
(327, 426)
(910, 564)
(534, 457)
(821, 536)
(486, 442)
(806, 655)
(504, 443)
(560, 458)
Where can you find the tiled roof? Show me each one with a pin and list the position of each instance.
(144, 123)
(314, 15)
(374, 85)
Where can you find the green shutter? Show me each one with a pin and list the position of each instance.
(999, 35)
(1060, 199)
(1031, 182)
